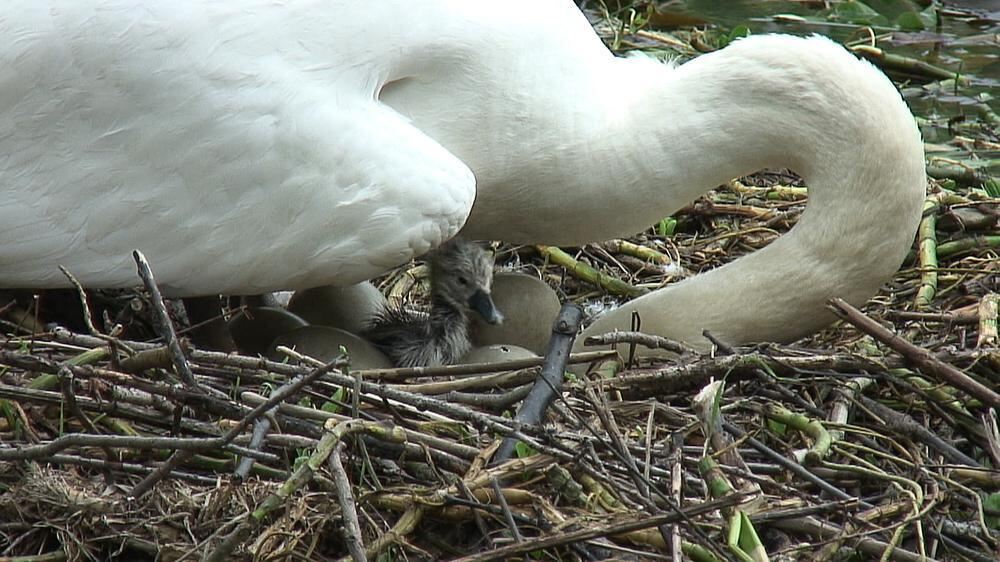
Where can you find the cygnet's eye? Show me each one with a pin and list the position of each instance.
(463, 281)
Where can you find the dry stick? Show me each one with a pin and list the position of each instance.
(988, 321)
(484, 382)
(494, 423)
(156, 358)
(87, 319)
(406, 373)
(618, 442)
(794, 467)
(909, 427)
(163, 322)
(828, 531)
(921, 358)
(549, 384)
(723, 348)
(382, 393)
(507, 514)
(660, 381)
(129, 468)
(190, 444)
(942, 317)
(280, 395)
(260, 431)
(221, 407)
(469, 500)
(639, 478)
(124, 441)
(429, 441)
(348, 506)
(629, 464)
(642, 252)
(647, 340)
(66, 386)
(676, 461)
(333, 434)
(387, 375)
(624, 525)
(491, 402)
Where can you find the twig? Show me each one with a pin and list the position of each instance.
(549, 384)
(642, 384)
(192, 444)
(508, 516)
(276, 398)
(166, 327)
(622, 525)
(632, 249)
(988, 321)
(723, 347)
(941, 317)
(260, 430)
(919, 357)
(335, 433)
(794, 467)
(84, 303)
(491, 402)
(406, 373)
(909, 427)
(453, 456)
(348, 506)
(648, 340)
(828, 531)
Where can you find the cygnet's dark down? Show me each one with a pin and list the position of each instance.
(461, 276)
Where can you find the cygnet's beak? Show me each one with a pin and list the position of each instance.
(482, 302)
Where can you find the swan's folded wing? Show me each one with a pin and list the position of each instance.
(336, 198)
(232, 173)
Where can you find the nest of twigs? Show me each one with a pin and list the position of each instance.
(842, 443)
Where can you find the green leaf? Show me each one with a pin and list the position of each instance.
(992, 187)
(338, 398)
(857, 13)
(930, 16)
(666, 227)
(992, 503)
(737, 32)
(777, 427)
(910, 21)
(522, 450)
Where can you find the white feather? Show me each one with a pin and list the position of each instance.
(247, 145)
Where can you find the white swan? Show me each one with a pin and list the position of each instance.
(249, 145)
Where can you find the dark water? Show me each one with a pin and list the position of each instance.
(963, 39)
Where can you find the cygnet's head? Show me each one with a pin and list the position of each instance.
(462, 275)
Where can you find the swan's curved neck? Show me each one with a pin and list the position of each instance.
(804, 104)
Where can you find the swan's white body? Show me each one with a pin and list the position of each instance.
(250, 145)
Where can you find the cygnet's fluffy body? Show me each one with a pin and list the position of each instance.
(461, 277)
